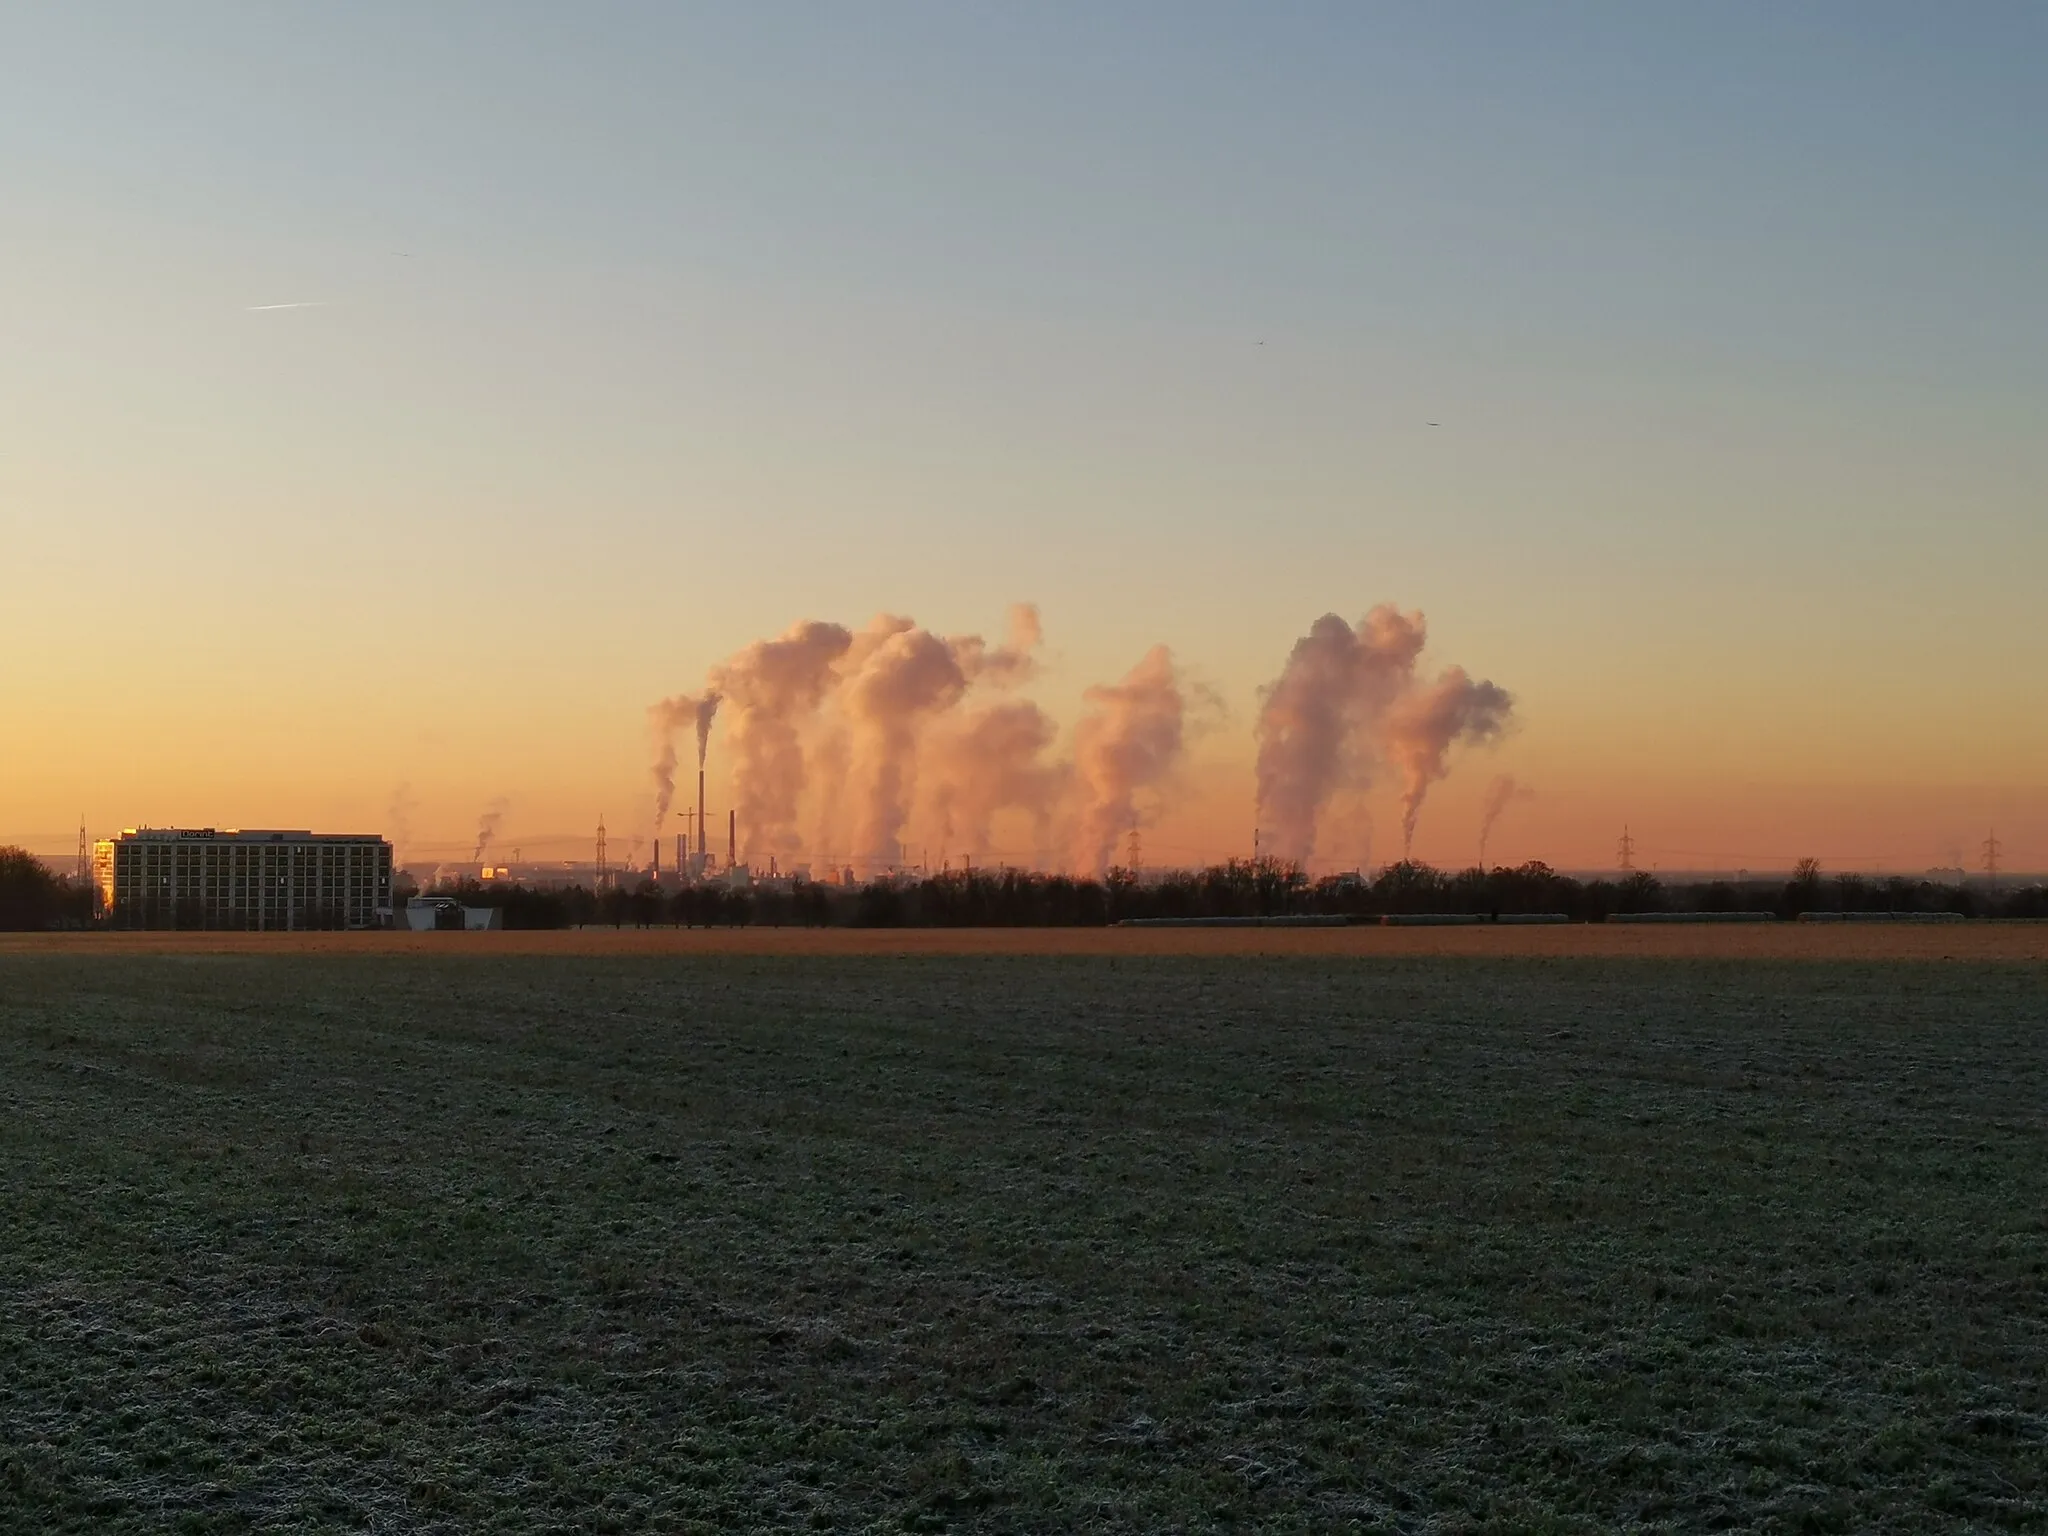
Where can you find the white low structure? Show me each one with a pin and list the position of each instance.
(425, 914)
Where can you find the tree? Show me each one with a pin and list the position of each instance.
(28, 891)
(1802, 894)
(1640, 892)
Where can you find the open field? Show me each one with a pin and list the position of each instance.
(1975, 941)
(667, 1232)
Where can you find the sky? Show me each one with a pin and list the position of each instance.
(1687, 365)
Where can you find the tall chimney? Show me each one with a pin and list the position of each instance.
(732, 839)
(700, 813)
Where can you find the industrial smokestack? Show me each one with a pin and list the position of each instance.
(665, 719)
(732, 839)
(700, 813)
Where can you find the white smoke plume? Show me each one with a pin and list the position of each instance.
(1128, 743)
(1347, 700)
(1010, 663)
(908, 675)
(1500, 794)
(896, 699)
(1318, 720)
(827, 761)
(772, 689)
(1304, 718)
(486, 829)
(992, 760)
(1425, 724)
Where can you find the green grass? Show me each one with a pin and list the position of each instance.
(530, 1244)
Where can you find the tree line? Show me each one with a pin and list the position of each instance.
(32, 896)
(1014, 898)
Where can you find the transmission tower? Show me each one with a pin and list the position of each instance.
(1625, 850)
(84, 864)
(1134, 851)
(1991, 849)
(602, 868)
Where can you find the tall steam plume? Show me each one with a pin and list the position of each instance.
(993, 761)
(1347, 700)
(1502, 792)
(1425, 724)
(1318, 720)
(1128, 742)
(773, 688)
(909, 674)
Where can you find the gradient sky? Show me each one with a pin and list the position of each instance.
(645, 329)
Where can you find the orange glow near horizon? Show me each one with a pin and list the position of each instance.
(1706, 773)
(1209, 816)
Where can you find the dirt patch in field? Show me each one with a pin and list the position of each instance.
(1780, 941)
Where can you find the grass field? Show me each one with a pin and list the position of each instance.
(1966, 942)
(410, 1237)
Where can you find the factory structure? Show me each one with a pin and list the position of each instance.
(694, 860)
(162, 877)
(698, 864)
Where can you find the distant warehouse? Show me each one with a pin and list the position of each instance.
(182, 877)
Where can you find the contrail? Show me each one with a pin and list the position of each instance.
(302, 304)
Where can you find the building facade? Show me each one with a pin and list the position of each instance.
(182, 877)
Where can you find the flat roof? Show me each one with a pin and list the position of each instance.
(240, 835)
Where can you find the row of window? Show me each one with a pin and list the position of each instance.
(355, 859)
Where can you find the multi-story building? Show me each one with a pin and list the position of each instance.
(182, 877)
